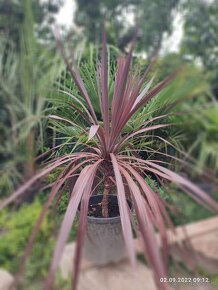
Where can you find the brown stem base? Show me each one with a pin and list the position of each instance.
(105, 202)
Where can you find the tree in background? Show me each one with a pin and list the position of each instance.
(26, 77)
(154, 17)
(200, 35)
(12, 17)
(90, 15)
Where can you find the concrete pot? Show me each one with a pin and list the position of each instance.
(104, 241)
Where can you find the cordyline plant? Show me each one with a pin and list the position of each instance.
(111, 162)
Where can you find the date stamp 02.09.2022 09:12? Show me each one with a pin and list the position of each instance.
(188, 280)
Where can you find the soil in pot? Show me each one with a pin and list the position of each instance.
(95, 207)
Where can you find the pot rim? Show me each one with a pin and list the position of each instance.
(103, 220)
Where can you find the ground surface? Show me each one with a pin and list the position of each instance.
(203, 237)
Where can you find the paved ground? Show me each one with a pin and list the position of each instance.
(6, 279)
(203, 237)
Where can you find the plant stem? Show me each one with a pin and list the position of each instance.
(105, 199)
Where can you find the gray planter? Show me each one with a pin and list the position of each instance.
(104, 241)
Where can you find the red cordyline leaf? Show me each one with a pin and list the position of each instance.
(142, 127)
(80, 113)
(83, 186)
(53, 149)
(128, 171)
(127, 98)
(43, 173)
(130, 104)
(90, 119)
(81, 233)
(120, 84)
(174, 177)
(146, 226)
(93, 131)
(188, 160)
(68, 121)
(127, 114)
(116, 108)
(75, 75)
(195, 192)
(200, 196)
(143, 93)
(137, 132)
(58, 184)
(27, 185)
(159, 87)
(114, 105)
(155, 205)
(104, 89)
(129, 108)
(123, 206)
(119, 96)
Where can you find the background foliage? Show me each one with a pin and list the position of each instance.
(32, 76)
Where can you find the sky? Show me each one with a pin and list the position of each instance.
(170, 44)
(65, 15)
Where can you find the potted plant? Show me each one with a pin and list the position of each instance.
(110, 165)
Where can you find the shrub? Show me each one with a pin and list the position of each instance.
(15, 229)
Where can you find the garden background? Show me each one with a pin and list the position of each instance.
(32, 72)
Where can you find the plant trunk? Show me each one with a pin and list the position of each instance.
(105, 199)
